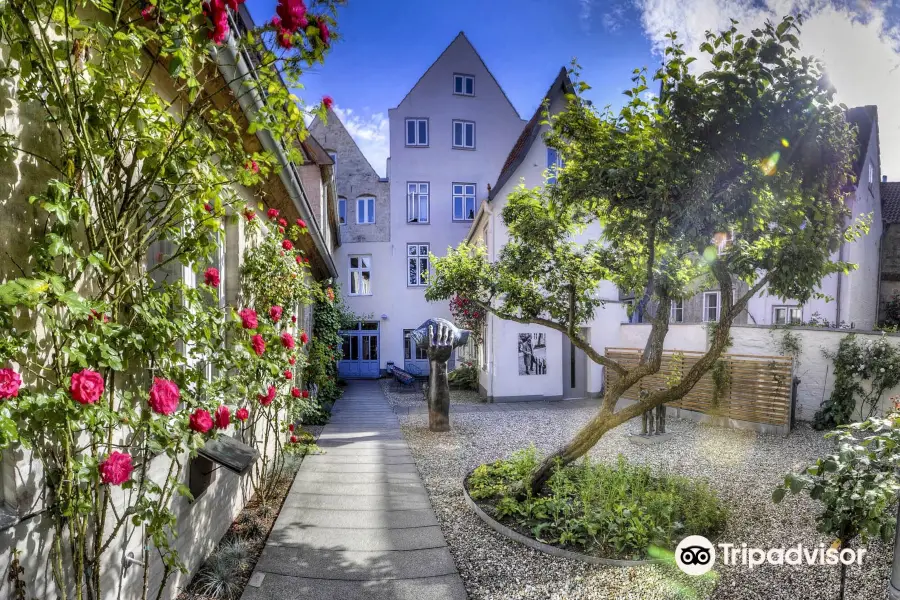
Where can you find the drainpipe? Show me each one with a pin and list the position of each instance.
(837, 302)
(235, 63)
(894, 583)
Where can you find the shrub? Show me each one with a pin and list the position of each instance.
(465, 376)
(620, 510)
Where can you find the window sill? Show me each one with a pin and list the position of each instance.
(417, 145)
(463, 220)
(360, 295)
(463, 148)
(418, 223)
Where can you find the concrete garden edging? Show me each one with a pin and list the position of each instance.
(547, 548)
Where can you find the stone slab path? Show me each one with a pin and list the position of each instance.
(357, 524)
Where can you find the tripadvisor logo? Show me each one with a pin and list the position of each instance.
(696, 555)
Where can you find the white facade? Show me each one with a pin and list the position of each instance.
(486, 125)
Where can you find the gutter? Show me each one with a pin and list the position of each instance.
(250, 102)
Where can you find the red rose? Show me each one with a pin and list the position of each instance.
(258, 343)
(287, 244)
(241, 414)
(301, 223)
(295, 392)
(275, 313)
(10, 382)
(211, 277)
(291, 16)
(207, 207)
(147, 12)
(292, 361)
(282, 222)
(200, 421)
(87, 386)
(248, 318)
(288, 375)
(249, 215)
(223, 417)
(293, 439)
(281, 230)
(323, 32)
(268, 398)
(116, 468)
(299, 259)
(327, 102)
(293, 319)
(306, 393)
(164, 396)
(291, 428)
(272, 213)
(251, 166)
(303, 337)
(287, 340)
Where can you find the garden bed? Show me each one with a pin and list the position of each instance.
(742, 467)
(227, 570)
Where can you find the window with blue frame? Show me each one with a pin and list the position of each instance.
(554, 163)
(342, 211)
(365, 210)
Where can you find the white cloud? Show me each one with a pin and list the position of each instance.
(614, 18)
(370, 132)
(860, 47)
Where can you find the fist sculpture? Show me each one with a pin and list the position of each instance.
(438, 337)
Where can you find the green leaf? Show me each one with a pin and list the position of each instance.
(778, 494)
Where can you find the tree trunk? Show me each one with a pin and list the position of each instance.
(438, 396)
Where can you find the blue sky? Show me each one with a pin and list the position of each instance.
(386, 45)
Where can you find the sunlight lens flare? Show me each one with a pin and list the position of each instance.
(770, 165)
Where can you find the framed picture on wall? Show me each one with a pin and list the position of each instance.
(532, 354)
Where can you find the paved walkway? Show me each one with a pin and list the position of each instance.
(357, 523)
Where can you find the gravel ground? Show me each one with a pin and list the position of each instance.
(403, 398)
(743, 466)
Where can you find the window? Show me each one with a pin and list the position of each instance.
(710, 307)
(784, 315)
(722, 241)
(463, 201)
(464, 85)
(554, 164)
(464, 134)
(677, 314)
(417, 132)
(342, 211)
(421, 353)
(361, 275)
(417, 261)
(416, 202)
(365, 210)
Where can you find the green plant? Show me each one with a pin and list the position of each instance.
(863, 371)
(892, 312)
(721, 376)
(621, 510)
(723, 149)
(221, 576)
(789, 344)
(464, 376)
(857, 485)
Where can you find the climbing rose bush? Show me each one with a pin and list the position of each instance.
(10, 382)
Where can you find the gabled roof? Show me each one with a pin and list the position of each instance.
(315, 152)
(561, 85)
(862, 117)
(333, 118)
(890, 202)
(461, 35)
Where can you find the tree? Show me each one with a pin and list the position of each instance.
(754, 148)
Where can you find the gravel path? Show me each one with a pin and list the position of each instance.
(743, 466)
(404, 398)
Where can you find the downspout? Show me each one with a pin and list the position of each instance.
(837, 303)
(250, 101)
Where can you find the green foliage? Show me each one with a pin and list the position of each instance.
(863, 371)
(789, 344)
(892, 313)
(721, 376)
(857, 485)
(136, 174)
(619, 510)
(464, 376)
(330, 316)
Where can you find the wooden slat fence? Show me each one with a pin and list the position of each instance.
(755, 388)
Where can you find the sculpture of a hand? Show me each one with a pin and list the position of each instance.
(438, 337)
(440, 341)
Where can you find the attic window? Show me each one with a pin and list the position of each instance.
(463, 85)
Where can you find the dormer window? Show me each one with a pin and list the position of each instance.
(463, 85)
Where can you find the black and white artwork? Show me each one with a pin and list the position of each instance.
(532, 354)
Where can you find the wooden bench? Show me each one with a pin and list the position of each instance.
(403, 378)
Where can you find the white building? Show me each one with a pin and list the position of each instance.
(449, 137)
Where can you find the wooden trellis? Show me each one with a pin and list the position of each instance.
(756, 388)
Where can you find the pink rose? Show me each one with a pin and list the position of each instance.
(282, 222)
(252, 166)
(323, 32)
(303, 337)
(116, 468)
(259, 344)
(275, 313)
(248, 318)
(10, 382)
(223, 417)
(327, 102)
(268, 398)
(200, 421)
(164, 396)
(292, 361)
(211, 277)
(87, 386)
(287, 340)
(272, 213)
(288, 375)
(241, 414)
(287, 244)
